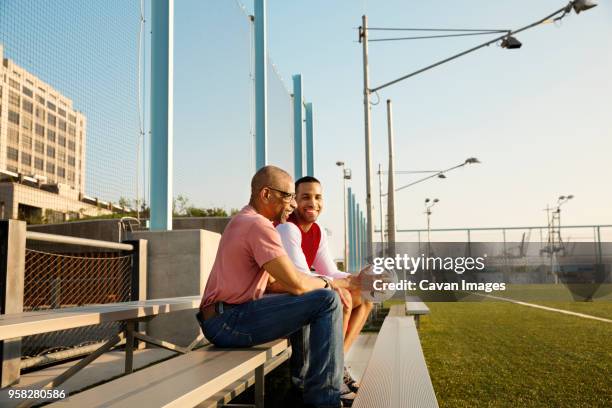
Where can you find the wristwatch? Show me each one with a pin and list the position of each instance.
(327, 285)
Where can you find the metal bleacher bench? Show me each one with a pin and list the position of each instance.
(397, 375)
(205, 376)
(415, 307)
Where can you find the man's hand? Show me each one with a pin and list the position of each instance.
(346, 301)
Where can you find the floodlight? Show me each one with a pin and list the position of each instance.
(582, 5)
(511, 43)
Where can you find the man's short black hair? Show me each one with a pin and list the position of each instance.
(305, 179)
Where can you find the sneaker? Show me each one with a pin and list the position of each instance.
(350, 381)
(346, 396)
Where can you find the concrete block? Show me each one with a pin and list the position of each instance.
(178, 264)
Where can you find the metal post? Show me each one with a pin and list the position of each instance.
(297, 126)
(261, 87)
(358, 237)
(368, 139)
(391, 188)
(138, 286)
(353, 234)
(162, 38)
(349, 209)
(380, 204)
(12, 269)
(309, 141)
(344, 214)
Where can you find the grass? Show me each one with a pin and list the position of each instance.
(498, 354)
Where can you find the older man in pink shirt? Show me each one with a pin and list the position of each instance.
(234, 311)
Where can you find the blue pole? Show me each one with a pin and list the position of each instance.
(297, 126)
(350, 229)
(162, 38)
(361, 239)
(363, 235)
(261, 88)
(309, 141)
(357, 238)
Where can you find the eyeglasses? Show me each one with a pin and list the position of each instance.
(287, 197)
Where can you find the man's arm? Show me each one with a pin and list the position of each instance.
(291, 237)
(323, 263)
(287, 277)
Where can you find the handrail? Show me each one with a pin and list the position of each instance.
(63, 239)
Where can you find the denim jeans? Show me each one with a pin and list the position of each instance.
(276, 316)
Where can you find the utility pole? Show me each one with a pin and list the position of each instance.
(391, 188)
(380, 203)
(363, 38)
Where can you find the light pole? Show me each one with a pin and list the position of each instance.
(346, 175)
(507, 41)
(428, 212)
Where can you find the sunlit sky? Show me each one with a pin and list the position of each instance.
(538, 118)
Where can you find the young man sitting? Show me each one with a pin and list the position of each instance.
(306, 244)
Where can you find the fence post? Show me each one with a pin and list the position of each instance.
(138, 281)
(12, 269)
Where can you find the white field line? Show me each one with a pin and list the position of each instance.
(550, 309)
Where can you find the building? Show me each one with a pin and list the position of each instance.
(42, 150)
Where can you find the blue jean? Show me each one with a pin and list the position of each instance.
(276, 316)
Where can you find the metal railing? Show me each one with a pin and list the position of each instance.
(56, 271)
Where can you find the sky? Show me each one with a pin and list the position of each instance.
(537, 118)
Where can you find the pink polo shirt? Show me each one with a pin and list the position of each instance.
(248, 242)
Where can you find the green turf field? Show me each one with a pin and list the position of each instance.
(499, 354)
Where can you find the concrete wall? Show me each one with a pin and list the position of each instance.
(216, 224)
(178, 264)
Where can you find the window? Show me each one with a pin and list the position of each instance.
(26, 141)
(26, 159)
(26, 123)
(28, 92)
(13, 136)
(71, 145)
(61, 112)
(61, 140)
(27, 106)
(51, 120)
(40, 99)
(14, 98)
(71, 118)
(71, 131)
(51, 105)
(51, 168)
(13, 117)
(40, 114)
(50, 135)
(12, 153)
(38, 163)
(61, 172)
(71, 160)
(70, 175)
(39, 147)
(51, 152)
(14, 84)
(62, 125)
(40, 130)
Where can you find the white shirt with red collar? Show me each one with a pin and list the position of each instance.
(314, 242)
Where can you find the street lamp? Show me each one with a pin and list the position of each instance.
(507, 38)
(440, 174)
(428, 205)
(346, 175)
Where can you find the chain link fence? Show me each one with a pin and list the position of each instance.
(59, 280)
